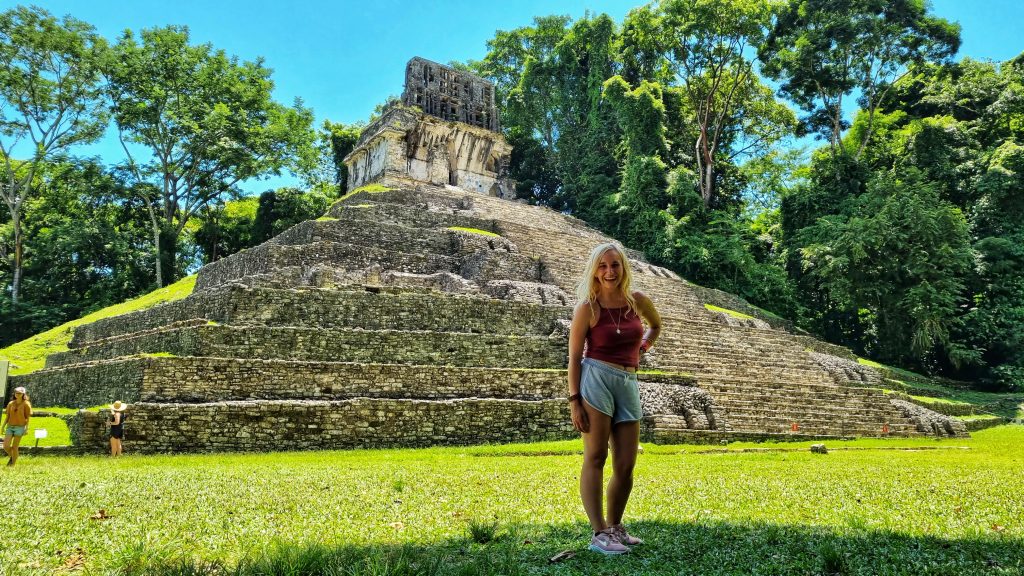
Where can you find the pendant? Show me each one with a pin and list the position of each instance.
(617, 331)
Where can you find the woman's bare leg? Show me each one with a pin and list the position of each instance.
(7, 445)
(595, 453)
(625, 438)
(15, 442)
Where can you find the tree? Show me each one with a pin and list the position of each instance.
(50, 100)
(206, 122)
(704, 46)
(899, 255)
(821, 51)
(641, 114)
(85, 245)
(340, 139)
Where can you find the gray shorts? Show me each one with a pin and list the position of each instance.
(611, 391)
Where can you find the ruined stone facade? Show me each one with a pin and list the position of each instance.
(444, 132)
(450, 94)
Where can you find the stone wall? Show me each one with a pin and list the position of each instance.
(317, 344)
(370, 309)
(847, 372)
(368, 213)
(205, 404)
(313, 424)
(269, 257)
(212, 379)
(457, 243)
(85, 385)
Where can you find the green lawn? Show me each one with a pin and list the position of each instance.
(956, 509)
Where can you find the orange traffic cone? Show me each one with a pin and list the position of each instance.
(794, 427)
(885, 428)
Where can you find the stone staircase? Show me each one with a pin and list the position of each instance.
(422, 316)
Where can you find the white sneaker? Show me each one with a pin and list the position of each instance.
(606, 542)
(625, 537)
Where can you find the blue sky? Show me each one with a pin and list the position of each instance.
(344, 57)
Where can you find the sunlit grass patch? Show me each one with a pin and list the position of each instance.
(373, 188)
(30, 354)
(732, 313)
(474, 231)
(928, 511)
(57, 433)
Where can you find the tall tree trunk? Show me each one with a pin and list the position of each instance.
(705, 167)
(18, 254)
(156, 251)
(169, 253)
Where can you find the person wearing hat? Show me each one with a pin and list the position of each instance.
(17, 414)
(116, 427)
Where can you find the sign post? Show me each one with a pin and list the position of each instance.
(40, 433)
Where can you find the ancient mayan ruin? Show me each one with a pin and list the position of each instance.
(444, 132)
(428, 308)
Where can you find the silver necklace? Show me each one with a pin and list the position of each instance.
(617, 331)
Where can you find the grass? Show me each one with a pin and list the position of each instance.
(508, 509)
(474, 231)
(30, 354)
(1004, 405)
(369, 189)
(898, 373)
(936, 396)
(57, 433)
(732, 313)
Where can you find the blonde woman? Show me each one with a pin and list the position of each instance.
(606, 340)
(16, 417)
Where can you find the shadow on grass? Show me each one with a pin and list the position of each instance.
(671, 548)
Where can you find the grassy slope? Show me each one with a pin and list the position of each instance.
(29, 354)
(875, 511)
(933, 394)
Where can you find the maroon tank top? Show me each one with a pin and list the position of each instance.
(616, 337)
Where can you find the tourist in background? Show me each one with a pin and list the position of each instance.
(116, 427)
(16, 417)
(606, 340)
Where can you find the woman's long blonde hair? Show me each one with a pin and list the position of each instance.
(586, 290)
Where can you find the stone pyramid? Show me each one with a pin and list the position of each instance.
(428, 308)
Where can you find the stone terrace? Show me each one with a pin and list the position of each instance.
(430, 315)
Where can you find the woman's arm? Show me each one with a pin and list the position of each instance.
(650, 315)
(581, 318)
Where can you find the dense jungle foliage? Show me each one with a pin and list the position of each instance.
(679, 130)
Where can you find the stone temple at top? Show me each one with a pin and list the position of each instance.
(445, 131)
(428, 309)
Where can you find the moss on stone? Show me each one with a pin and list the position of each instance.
(732, 313)
(374, 188)
(474, 231)
(326, 219)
